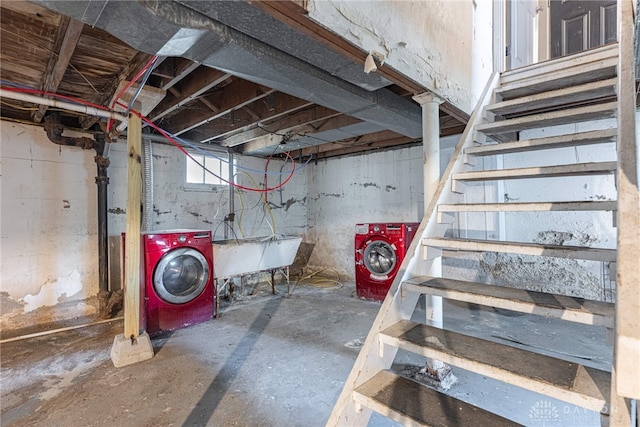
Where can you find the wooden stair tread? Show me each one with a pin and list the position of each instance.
(560, 251)
(570, 115)
(567, 381)
(575, 169)
(555, 98)
(558, 306)
(596, 205)
(558, 73)
(569, 140)
(413, 404)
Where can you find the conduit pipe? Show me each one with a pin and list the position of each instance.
(54, 130)
(147, 183)
(26, 97)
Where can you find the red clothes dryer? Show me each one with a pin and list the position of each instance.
(179, 289)
(379, 251)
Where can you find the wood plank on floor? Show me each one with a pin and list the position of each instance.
(557, 378)
(568, 308)
(413, 404)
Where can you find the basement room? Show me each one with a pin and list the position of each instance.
(319, 213)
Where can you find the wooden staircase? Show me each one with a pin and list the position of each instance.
(571, 98)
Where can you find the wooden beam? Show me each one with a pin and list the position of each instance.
(173, 70)
(237, 94)
(370, 142)
(294, 133)
(138, 61)
(198, 82)
(273, 107)
(69, 33)
(132, 236)
(304, 117)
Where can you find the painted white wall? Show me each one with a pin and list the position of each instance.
(49, 244)
(444, 45)
(49, 269)
(382, 186)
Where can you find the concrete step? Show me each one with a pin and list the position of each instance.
(563, 307)
(585, 67)
(576, 169)
(559, 251)
(555, 99)
(557, 378)
(413, 404)
(534, 121)
(570, 140)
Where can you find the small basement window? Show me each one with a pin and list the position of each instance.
(213, 166)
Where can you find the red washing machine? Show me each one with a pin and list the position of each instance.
(379, 251)
(179, 289)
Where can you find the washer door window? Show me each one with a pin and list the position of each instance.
(379, 257)
(181, 275)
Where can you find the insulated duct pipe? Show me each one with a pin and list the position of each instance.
(147, 183)
(232, 195)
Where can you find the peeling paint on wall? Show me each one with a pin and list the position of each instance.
(415, 38)
(54, 291)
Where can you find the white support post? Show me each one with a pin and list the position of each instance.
(430, 104)
(431, 175)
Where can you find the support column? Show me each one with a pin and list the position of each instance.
(430, 104)
(133, 346)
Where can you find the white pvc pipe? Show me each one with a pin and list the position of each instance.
(21, 96)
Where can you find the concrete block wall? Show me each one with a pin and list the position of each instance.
(49, 269)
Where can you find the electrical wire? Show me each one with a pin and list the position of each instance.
(266, 207)
(24, 89)
(127, 86)
(141, 85)
(208, 153)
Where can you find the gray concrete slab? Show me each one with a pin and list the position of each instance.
(267, 361)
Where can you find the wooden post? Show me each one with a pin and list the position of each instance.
(132, 238)
(133, 345)
(625, 383)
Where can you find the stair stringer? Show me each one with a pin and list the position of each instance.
(400, 304)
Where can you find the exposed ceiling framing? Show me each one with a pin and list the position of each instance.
(83, 49)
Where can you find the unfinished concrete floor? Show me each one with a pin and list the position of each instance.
(267, 361)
